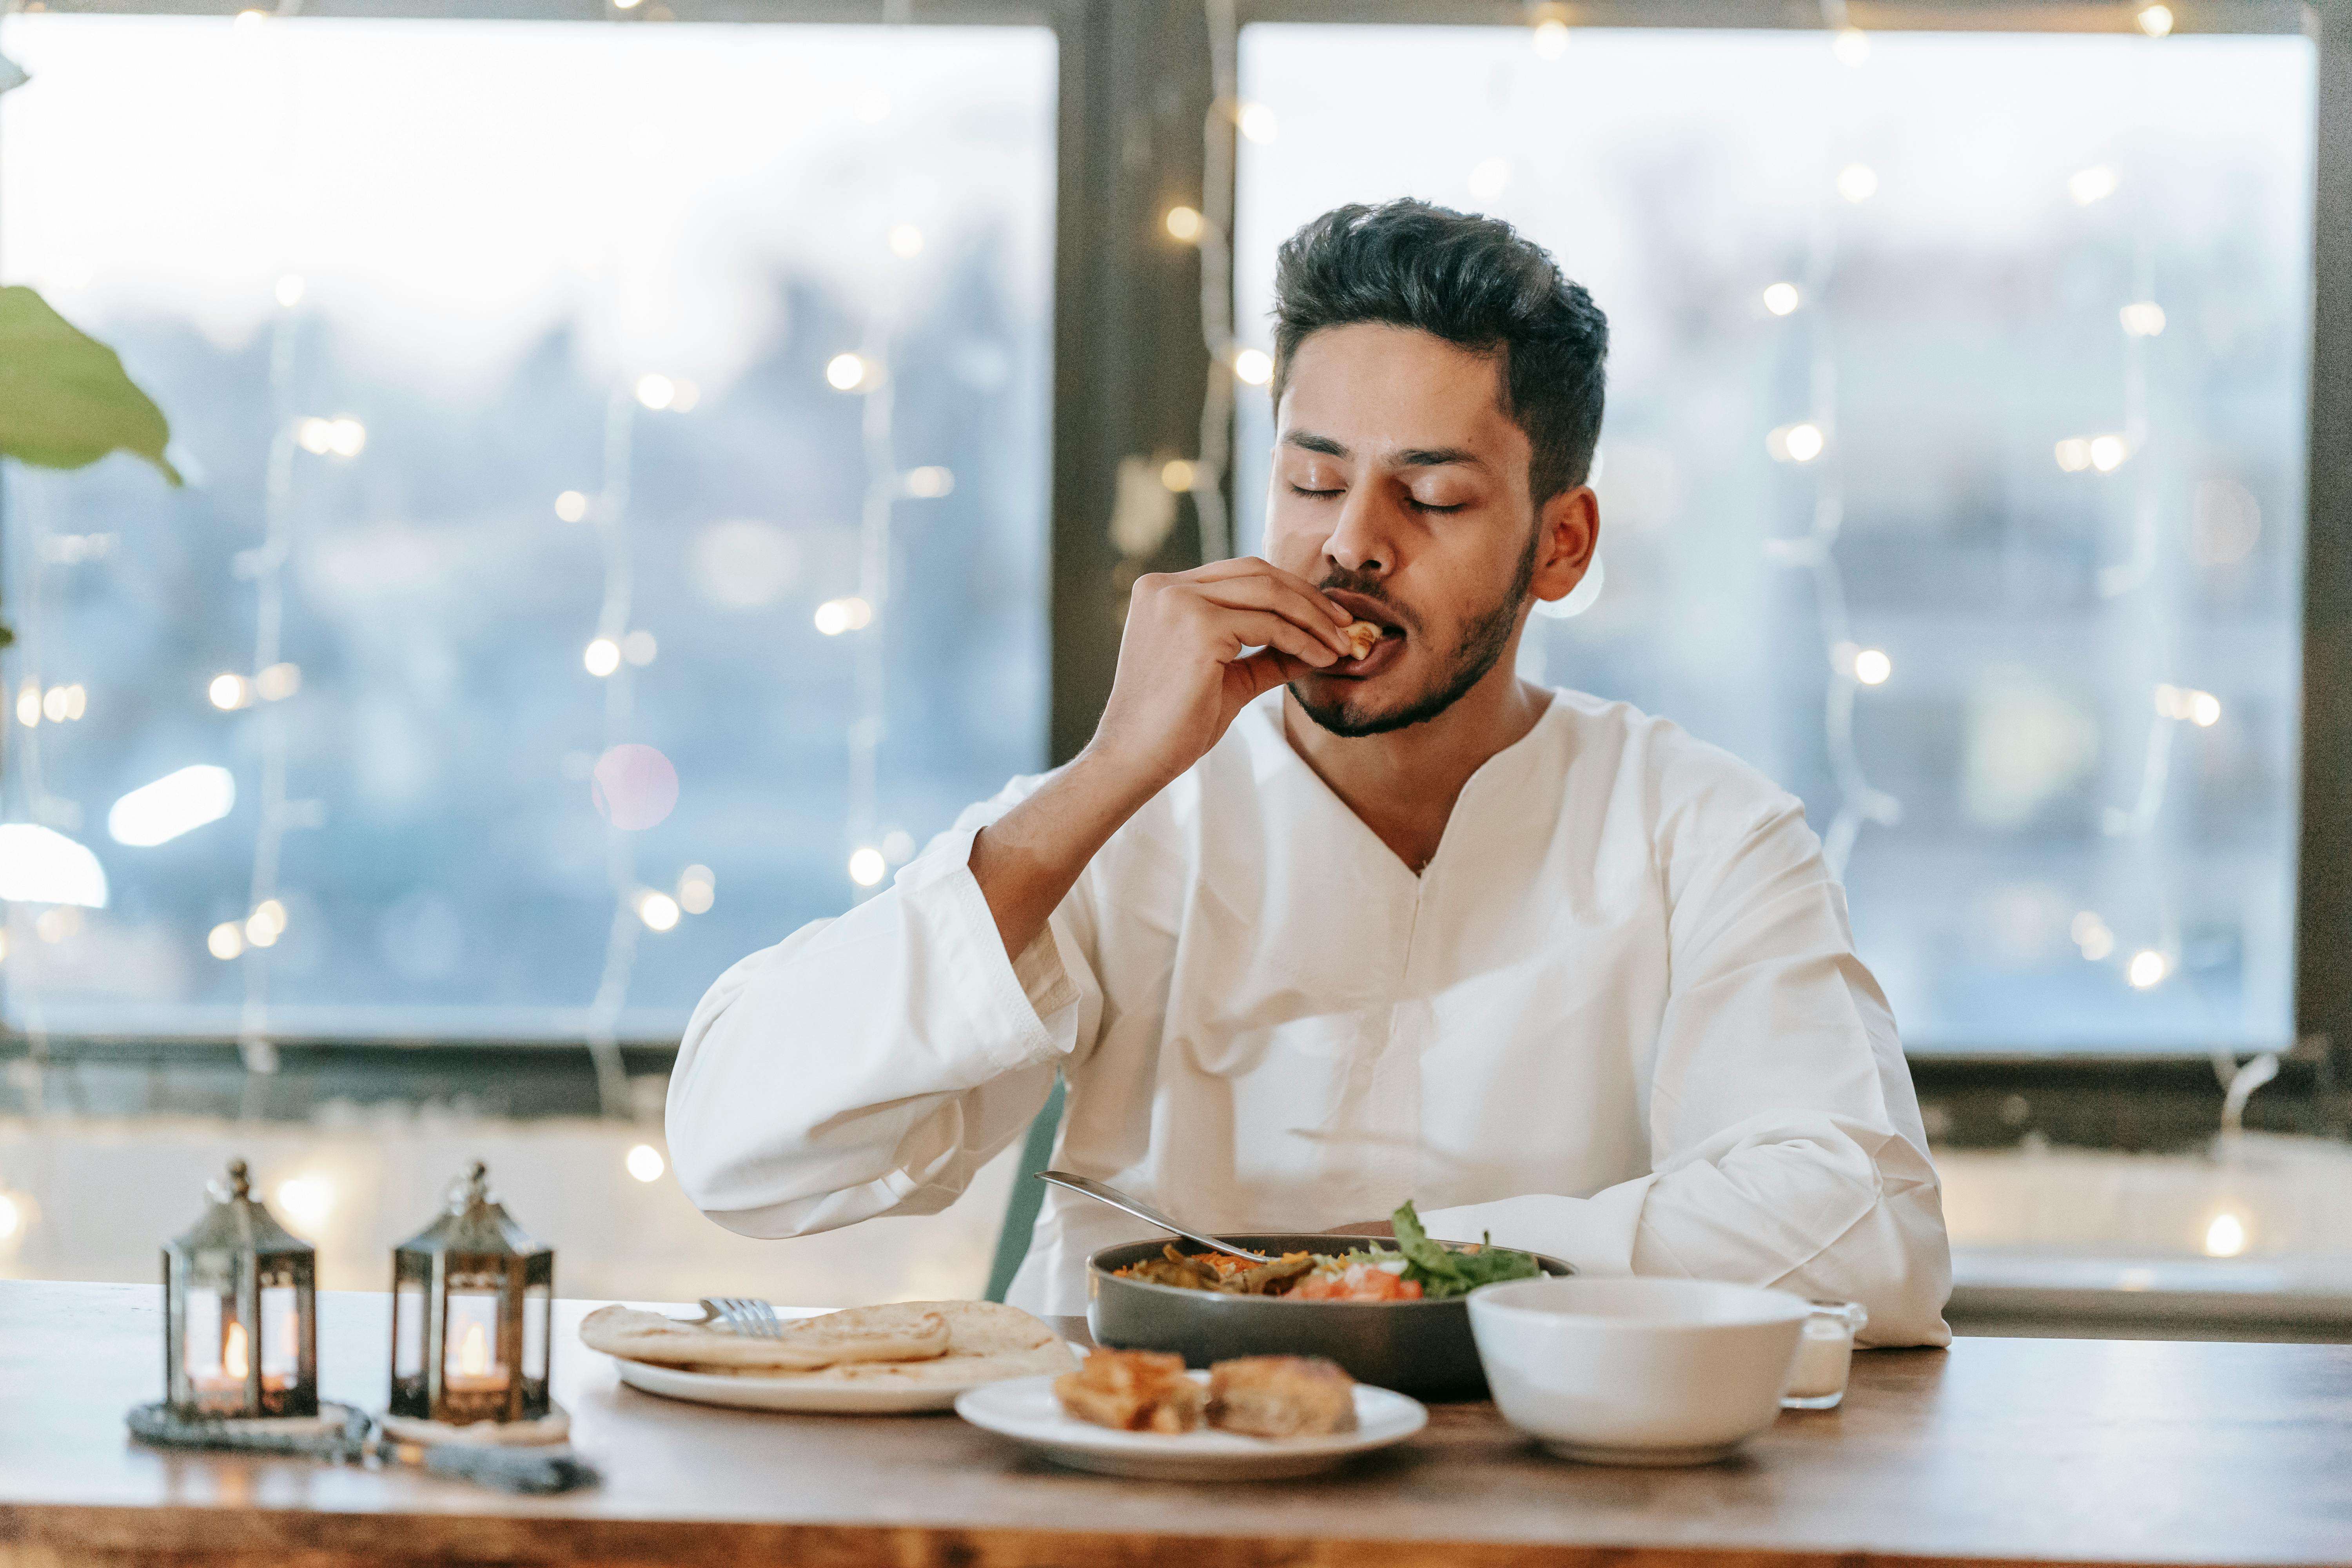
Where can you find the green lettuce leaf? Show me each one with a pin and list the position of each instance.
(1441, 1272)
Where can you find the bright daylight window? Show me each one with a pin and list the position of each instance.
(1953, 470)
(615, 528)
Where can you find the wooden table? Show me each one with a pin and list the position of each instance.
(1999, 1451)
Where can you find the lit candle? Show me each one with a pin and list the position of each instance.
(218, 1366)
(474, 1373)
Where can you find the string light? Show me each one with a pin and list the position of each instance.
(1549, 38)
(2146, 969)
(906, 241)
(1176, 475)
(853, 372)
(602, 657)
(645, 1162)
(2143, 319)
(657, 392)
(1815, 551)
(1253, 366)
(1851, 48)
(1872, 666)
(28, 704)
(175, 804)
(2095, 183)
(2092, 935)
(571, 506)
(227, 692)
(658, 910)
(288, 292)
(2226, 1237)
(1782, 299)
(836, 616)
(226, 941)
(1799, 443)
(11, 1217)
(930, 482)
(1259, 123)
(277, 682)
(2155, 21)
(867, 865)
(697, 888)
(307, 1200)
(2108, 452)
(1182, 223)
(2201, 709)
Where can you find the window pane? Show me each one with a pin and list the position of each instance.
(1956, 407)
(538, 386)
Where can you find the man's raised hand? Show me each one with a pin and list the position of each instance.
(1185, 667)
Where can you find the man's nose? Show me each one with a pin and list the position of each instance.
(1360, 540)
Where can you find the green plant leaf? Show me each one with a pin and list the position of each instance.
(64, 401)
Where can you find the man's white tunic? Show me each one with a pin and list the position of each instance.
(1617, 1018)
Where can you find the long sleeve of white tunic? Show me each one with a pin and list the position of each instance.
(1618, 1019)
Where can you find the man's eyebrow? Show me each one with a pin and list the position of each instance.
(1436, 457)
(1412, 457)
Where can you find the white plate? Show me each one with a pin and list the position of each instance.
(879, 1397)
(1025, 1410)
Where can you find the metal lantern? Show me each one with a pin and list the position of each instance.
(240, 1313)
(470, 1295)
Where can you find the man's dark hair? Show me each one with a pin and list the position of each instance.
(1473, 281)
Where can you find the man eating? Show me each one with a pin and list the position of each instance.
(1308, 932)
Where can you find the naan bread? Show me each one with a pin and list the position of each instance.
(899, 1331)
(989, 1343)
(1362, 636)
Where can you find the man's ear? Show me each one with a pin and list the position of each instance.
(1567, 531)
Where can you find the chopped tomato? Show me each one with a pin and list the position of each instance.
(1361, 1282)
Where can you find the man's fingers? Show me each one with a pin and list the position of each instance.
(1309, 610)
(1242, 566)
(1264, 628)
(1264, 671)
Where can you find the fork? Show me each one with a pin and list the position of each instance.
(746, 1315)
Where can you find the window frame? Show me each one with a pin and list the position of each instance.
(1134, 92)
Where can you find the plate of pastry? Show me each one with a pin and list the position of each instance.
(887, 1360)
(1141, 1414)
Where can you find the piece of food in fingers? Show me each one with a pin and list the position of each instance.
(1362, 637)
(1132, 1391)
(1281, 1396)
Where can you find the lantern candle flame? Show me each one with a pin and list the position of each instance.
(474, 1355)
(233, 1352)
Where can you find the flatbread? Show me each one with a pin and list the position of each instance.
(1362, 636)
(897, 1331)
(989, 1343)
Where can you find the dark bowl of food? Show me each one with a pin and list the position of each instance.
(1320, 1298)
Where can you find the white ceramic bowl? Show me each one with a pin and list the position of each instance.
(1637, 1371)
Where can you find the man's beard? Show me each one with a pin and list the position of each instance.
(1475, 652)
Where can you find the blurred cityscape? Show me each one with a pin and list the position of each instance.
(1886, 293)
(1990, 348)
(445, 870)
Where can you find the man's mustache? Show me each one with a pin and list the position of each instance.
(1370, 587)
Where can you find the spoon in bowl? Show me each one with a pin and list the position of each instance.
(1088, 1187)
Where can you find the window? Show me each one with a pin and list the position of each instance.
(615, 531)
(1953, 469)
